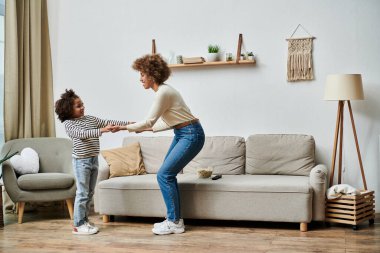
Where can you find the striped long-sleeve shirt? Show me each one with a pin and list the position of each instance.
(85, 133)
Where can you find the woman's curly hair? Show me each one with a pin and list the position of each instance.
(64, 105)
(154, 67)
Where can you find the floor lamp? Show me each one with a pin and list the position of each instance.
(347, 209)
(344, 88)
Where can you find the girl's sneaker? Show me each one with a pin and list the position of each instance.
(168, 227)
(90, 224)
(84, 229)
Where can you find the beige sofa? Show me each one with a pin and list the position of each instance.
(270, 177)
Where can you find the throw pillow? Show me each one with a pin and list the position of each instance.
(27, 162)
(280, 154)
(125, 161)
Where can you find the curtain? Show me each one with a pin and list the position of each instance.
(28, 88)
(28, 85)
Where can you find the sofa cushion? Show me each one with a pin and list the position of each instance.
(283, 154)
(139, 182)
(153, 150)
(125, 161)
(228, 183)
(45, 181)
(225, 154)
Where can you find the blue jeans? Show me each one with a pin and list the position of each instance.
(187, 143)
(86, 173)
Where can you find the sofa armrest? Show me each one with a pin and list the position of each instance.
(10, 181)
(104, 170)
(317, 180)
(103, 174)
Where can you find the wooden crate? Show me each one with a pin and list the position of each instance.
(351, 210)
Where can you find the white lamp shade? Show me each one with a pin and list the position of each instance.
(344, 87)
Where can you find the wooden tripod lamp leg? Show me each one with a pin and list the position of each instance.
(340, 143)
(357, 146)
(335, 143)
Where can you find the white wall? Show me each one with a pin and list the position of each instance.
(94, 44)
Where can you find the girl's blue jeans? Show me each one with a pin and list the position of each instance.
(187, 143)
(86, 173)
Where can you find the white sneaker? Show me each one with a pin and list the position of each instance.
(90, 224)
(159, 224)
(84, 229)
(168, 227)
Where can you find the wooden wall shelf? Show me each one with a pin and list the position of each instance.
(215, 63)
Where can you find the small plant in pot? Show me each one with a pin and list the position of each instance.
(250, 56)
(213, 53)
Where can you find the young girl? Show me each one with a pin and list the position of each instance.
(85, 131)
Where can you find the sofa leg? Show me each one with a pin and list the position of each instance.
(70, 206)
(303, 227)
(106, 218)
(21, 206)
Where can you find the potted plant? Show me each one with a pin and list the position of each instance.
(242, 57)
(213, 53)
(250, 56)
(229, 57)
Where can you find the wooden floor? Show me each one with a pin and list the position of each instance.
(51, 232)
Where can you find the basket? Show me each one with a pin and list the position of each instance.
(352, 210)
(205, 173)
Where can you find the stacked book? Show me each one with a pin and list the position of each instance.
(193, 60)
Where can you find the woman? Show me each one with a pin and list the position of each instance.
(168, 111)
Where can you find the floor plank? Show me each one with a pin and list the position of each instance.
(51, 232)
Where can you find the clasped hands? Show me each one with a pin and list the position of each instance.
(117, 128)
(111, 128)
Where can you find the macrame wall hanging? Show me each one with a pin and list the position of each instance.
(300, 60)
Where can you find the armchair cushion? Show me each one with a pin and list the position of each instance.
(27, 162)
(45, 181)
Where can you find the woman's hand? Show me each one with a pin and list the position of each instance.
(118, 128)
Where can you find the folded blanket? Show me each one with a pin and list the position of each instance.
(338, 190)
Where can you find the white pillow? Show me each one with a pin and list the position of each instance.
(27, 162)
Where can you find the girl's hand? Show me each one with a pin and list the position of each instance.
(116, 129)
(106, 129)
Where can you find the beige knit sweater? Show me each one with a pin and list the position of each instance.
(168, 110)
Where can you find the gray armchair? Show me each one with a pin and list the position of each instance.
(55, 180)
